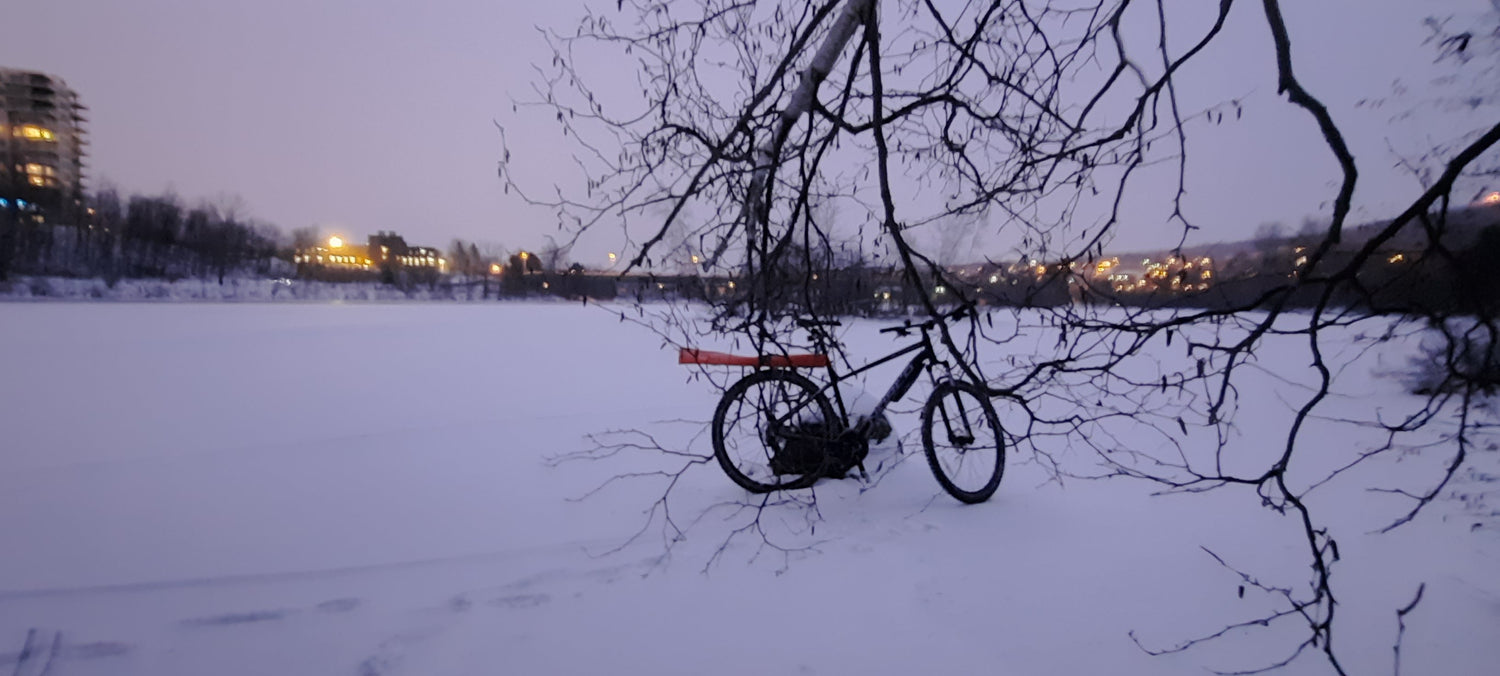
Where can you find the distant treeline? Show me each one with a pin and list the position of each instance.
(141, 237)
(158, 237)
(1418, 278)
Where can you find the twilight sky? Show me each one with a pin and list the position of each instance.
(365, 115)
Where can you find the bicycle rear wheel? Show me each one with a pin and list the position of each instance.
(964, 443)
(771, 430)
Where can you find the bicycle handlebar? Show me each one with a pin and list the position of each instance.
(906, 327)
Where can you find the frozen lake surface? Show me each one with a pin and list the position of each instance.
(365, 489)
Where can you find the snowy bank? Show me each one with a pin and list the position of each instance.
(232, 290)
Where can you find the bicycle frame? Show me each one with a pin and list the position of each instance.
(926, 357)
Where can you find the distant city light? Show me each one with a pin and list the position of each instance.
(335, 242)
(1492, 198)
(612, 256)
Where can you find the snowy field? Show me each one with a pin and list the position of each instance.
(365, 489)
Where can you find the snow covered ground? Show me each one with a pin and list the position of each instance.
(365, 489)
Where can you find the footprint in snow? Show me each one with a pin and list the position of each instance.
(338, 605)
(230, 619)
(521, 601)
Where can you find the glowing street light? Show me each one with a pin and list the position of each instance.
(335, 242)
(1491, 199)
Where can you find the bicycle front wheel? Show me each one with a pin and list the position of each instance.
(964, 443)
(771, 431)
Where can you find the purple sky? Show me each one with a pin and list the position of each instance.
(364, 115)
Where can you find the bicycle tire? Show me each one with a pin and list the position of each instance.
(978, 444)
(754, 473)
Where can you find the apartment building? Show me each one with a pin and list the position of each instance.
(42, 146)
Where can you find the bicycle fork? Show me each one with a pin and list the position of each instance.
(966, 437)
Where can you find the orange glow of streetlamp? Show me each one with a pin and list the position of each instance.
(335, 242)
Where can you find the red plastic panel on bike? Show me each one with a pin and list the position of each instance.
(690, 355)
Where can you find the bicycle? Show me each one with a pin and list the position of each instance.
(776, 429)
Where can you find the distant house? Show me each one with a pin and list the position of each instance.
(385, 256)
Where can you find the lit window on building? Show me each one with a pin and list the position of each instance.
(33, 132)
